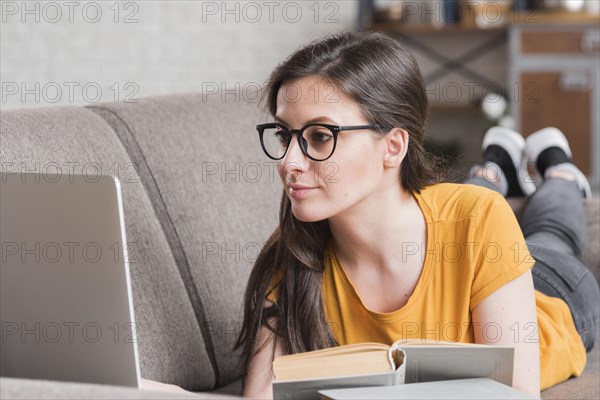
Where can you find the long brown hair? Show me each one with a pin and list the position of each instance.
(383, 78)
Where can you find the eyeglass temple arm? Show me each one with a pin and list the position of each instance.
(357, 127)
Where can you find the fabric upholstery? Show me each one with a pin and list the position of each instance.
(171, 348)
(218, 195)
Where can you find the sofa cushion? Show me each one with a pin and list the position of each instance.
(171, 348)
(216, 195)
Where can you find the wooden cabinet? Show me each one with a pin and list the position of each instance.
(554, 101)
(555, 75)
(558, 42)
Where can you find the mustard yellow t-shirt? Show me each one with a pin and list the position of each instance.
(474, 246)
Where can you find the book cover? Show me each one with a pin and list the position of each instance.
(463, 389)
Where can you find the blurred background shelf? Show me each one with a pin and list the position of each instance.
(399, 27)
(544, 61)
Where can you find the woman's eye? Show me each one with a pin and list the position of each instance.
(283, 136)
(321, 136)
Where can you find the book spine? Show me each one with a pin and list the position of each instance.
(390, 354)
(400, 372)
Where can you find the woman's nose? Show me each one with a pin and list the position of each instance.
(294, 154)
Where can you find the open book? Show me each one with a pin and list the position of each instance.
(301, 376)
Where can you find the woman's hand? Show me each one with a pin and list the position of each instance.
(153, 386)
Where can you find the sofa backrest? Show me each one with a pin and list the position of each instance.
(77, 140)
(216, 196)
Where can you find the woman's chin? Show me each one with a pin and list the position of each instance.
(304, 215)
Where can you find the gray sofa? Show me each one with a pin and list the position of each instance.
(200, 199)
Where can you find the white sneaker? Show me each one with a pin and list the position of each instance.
(553, 137)
(514, 144)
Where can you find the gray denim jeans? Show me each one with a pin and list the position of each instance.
(554, 226)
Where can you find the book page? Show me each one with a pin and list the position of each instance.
(336, 364)
(429, 342)
(349, 348)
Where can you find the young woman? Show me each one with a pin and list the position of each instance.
(374, 245)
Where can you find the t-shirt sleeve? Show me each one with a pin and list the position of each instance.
(502, 251)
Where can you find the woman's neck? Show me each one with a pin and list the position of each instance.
(377, 231)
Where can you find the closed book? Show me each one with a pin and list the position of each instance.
(459, 389)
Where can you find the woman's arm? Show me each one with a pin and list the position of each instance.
(508, 317)
(258, 382)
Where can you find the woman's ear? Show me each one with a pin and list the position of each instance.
(396, 146)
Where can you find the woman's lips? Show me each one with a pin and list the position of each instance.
(300, 191)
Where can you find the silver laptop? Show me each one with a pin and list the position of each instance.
(66, 307)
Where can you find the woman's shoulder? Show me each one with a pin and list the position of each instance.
(458, 189)
(458, 201)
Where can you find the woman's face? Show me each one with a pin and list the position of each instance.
(351, 174)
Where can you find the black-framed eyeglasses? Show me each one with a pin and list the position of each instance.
(317, 141)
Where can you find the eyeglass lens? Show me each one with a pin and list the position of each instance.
(318, 141)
